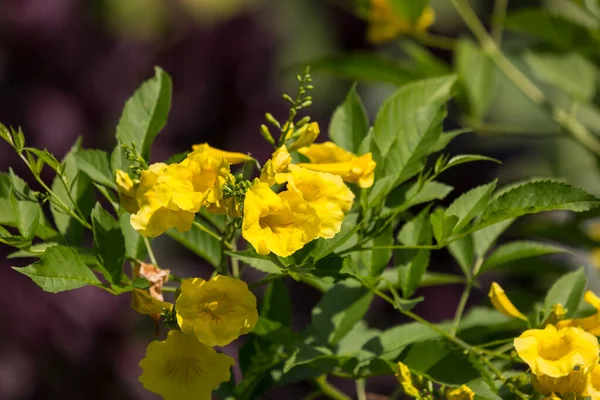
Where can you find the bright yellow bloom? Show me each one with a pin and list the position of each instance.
(501, 302)
(405, 378)
(560, 359)
(181, 368)
(216, 311)
(208, 175)
(589, 324)
(593, 386)
(305, 136)
(461, 393)
(386, 24)
(230, 156)
(127, 191)
(280, 223)
(327, 193)
(275, 170)
(328, 157)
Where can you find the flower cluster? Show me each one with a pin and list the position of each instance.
(415, 386)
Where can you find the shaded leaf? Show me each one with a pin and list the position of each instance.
(518, 250)
(349, 122)
(568, 291)
(109, 243)
(96, 165)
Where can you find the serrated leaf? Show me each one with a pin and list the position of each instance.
(519, 250)
(109, 243)
(256, 261)
(446, 137)
(462, 252)
(409, 124)
(199, 242)
(484, 238)
(478, 76)
(568, 291)
(412, 264)
(349, 123)
(24, 207)
(60, 269)
(470, 204)
(535, 197)
(18, 139)
(467, 158)
(96, 165)
(411, 194)
(377, 260)
(442, 225)
(144, 116)
(47, 157)
(391, 342)
(571, 72)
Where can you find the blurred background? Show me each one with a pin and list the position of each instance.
(68, 66)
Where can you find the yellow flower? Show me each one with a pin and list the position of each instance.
(280, 223)
(593, 385)
(386, 24)
(552, 396)
(405, 378)
(216, 311)
(461, 393)
(275, 170)
(181, 368)
(142, 302)
(305, 136)
(208, 175)
(127, 191)
(327, 193)
(501, 302)
(589, 324)
(328, 157)
(229, 156)
(560, 359)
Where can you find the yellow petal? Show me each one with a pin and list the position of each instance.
(461, 393)
(231, 157)
(305, 136)
(405, 378)
(501, 302)
(386, 24)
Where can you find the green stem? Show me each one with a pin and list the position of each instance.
(235, 263)
(211, 233)
(150, 252)
(560, 116)
(329, 390)
(461, 307)
(169, 289)
(361, 391)
(436, 41)
(498, 18)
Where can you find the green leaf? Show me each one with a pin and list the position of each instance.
(363, 67)
(349, 122)
(442, 225)
(394, 340)
(462, 251)
(199, 242)
(412, 264)
(446, 138)
(25, 207)
(470, 204)
(256, 261)
(409, 9)
(484, 238)
(324, 247)
(478, 77)
(109, 243)
(60, 269)
(80, 189)
(144, 116)
(412, 194)
(339, 310)
(96, 165)
(535, 197)
(47, 157)
(409, 124)
(376, 260)
(134, 242)
(568, 291)
(519, 250)
(277, 304)
(570, 72)
(467, 158)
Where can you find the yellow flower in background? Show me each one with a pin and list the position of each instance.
(405, 378)
(327, 193)
(386, 24)
(501, 302)
(181, 368)
(560, 359)
(229, 156)
(461, 393)
(552, 396)
(328, 157)
(593, 386)
(216, 311)
(143, 303)
(127, 191)
(275, 170)
(305, 136)
(280, 223)
(589, 324)
(595, 257)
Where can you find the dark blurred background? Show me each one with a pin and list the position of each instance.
(66, 69)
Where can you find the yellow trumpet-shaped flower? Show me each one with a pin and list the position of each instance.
(560, 359)
(589, 324)
(275, 170)
(305, 136)
(328, 157)
(501, 302)
(593, 385)
(280, 223)
(181, 368)
(230, 156)
(460, 393)
(216, 311)
(405, 378)
(386, 24)
(208, 175)
(127, 191)
(327, 193)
